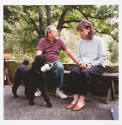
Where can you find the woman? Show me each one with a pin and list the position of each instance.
(91, 58)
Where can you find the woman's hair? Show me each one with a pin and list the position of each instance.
(87, 25)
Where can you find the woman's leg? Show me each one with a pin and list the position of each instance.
(80, 104)
(78, 81)
(87, 75)
(75, 83)
(75, 99)
(75, 80)
(74, 102)
(81, 100)
(93, 73)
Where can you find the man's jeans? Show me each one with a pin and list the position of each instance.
(58, 70)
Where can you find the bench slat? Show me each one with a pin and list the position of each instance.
(109, 75)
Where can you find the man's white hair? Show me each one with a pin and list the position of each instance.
(49, 29)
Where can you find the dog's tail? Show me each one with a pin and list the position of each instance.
(25, 62)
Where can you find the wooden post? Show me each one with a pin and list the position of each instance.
(112, 90)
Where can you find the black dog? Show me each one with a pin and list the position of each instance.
(33, 78)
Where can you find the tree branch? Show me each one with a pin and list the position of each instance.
(100, 32)
(48, 15)
(70, 21)
(65, 27)
(94, 17)
(31, 20)
(41, 23)
(61, 20)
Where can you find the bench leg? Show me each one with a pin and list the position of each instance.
(108, 96)
(6, 74)
(112, 90)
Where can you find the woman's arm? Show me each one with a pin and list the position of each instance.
(102, 54)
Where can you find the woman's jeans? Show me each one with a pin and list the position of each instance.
(58, 71)
(80, 78)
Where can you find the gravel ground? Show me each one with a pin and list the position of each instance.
(18, 108)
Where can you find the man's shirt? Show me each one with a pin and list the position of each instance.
(51, 50)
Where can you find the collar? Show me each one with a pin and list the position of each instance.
(49, 40)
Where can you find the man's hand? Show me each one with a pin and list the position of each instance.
(39, 52)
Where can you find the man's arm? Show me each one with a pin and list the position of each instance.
(68, 52)
(39, 52)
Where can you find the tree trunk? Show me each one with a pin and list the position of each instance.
(41, 25)
(48, 15)
(61, 20)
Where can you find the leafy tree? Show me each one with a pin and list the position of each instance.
(104, 18)
(25, 25)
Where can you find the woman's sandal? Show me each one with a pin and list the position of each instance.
(77, 108)
(69, 106)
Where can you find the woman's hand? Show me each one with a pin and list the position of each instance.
(89, 66)
(83, 66)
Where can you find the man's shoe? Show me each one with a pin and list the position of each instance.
(60, 94)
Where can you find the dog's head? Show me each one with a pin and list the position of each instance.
(40, 64)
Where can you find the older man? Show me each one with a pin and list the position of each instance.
(50, 46)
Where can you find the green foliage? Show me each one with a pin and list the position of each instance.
(24, 25)
(63, 57)
(113, 52)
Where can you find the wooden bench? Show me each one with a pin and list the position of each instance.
(110, 77)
